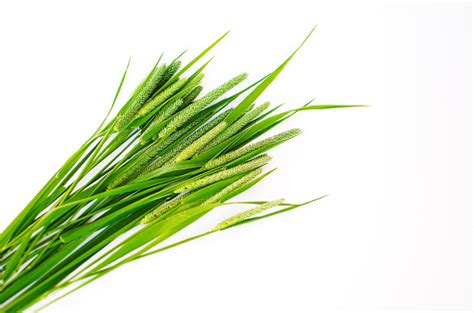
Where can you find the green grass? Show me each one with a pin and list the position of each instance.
(172, 154)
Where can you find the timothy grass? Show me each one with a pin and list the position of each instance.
(171, 154)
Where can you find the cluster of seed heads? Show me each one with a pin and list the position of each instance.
(187, 113)
(173, 138)
(246, 214)
(169, 156)
(224, 174)
(143, 160)
(158, 121)
(160, 98)
(146, 90)
(238, 125)
(169, 72)
(219, 196)
(230, 156)
(197, 145)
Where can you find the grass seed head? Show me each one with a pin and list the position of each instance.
(230, 156)
(162, 209)
(143, 93)
(196, 135)
(193, 94)
(184, 115)
(234, 186)
(247, 214)
(197, 145)
(238, 125)
(170, 71)
(160, 98)
(170, 140)
(168, 74)
(223, 174)
(141, 163)
(160, 118)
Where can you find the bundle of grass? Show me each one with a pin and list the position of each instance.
(171, 154)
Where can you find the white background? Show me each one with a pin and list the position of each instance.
(395, 233)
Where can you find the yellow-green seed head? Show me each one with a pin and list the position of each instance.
(196, 135)
(224, 174)
(184, 115)
(197, 145)
(140, 164)
(160, 118)
(247, 214)
(162, 209)
(238, 125)
(230, 156)
(160, 98)
(234, 186)
(141, 95)
(171, 70)
(172, 139)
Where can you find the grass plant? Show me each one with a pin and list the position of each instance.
(171, 154)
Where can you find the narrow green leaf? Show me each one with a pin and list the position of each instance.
(247, 102)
